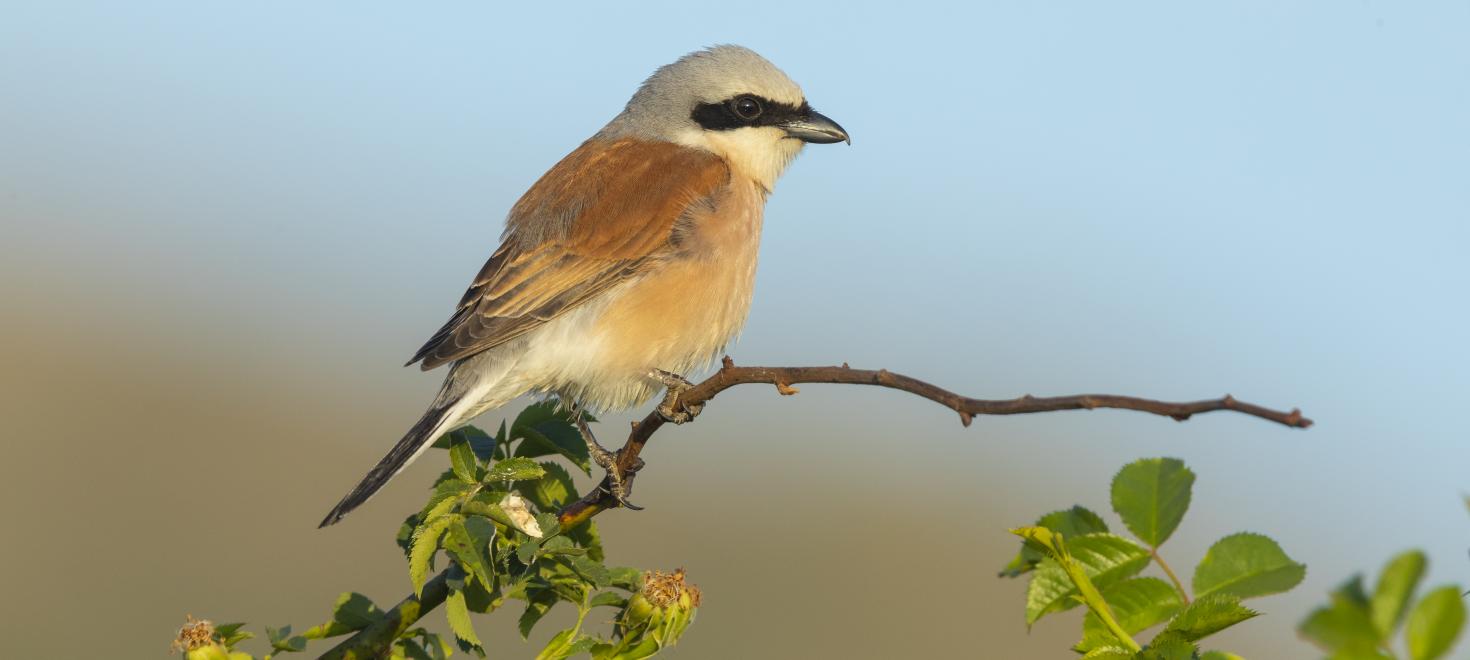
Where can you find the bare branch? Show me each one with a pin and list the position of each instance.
(783, 378)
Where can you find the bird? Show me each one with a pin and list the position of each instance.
(628, 264)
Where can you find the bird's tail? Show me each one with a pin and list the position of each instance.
(454, 406)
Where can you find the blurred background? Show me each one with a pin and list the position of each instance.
(226, 226)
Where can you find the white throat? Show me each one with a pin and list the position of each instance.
(759, 153)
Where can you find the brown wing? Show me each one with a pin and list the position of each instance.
(605, 212)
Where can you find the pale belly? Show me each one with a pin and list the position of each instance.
(678, 317)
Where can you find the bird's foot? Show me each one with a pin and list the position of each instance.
(671, 409)
(619, 482)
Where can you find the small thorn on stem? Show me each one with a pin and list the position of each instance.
(785, 390)
(966, 418)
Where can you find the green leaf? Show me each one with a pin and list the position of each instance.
(1435, 623)
(1137, 604)
(1169, 646)
(608, 599)
(515, 469)
(1151, 495)
(480, 442)
(1345, 626)
(1208, 615)
(1105, 558)
(1395, 589)
(459, 618)
(468, 539)
(1072, 523)
(404, 539)
(425, 543)
(548, 522)
(230, 634)
(408, 648)
(281, 639)
(626, 578)
(355, 610)
(447, 490)
(526, 552)
(592, 571)
(544, 429)
(462, 459)
(1219, 655)
(587, 536)
(1109, 653)
(552, 490)
(538, 603)
(1246, 565)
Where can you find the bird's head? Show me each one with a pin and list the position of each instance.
(730, 101)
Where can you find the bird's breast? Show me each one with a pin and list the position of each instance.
(682, 313)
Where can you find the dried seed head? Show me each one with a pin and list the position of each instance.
(665, 589)
(195, 634)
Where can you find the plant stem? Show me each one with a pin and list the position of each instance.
(1179, 586)
(1095, 601)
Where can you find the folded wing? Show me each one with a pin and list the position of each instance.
(603, 214)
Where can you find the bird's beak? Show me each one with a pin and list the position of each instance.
(816, 128)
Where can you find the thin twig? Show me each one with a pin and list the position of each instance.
(783, 378)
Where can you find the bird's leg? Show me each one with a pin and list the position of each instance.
(671, 409)
(619, 480)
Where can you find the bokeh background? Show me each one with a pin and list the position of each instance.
(226, 225)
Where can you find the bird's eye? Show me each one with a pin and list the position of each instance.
(747, 107)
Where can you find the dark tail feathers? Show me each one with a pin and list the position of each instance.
(421, 434)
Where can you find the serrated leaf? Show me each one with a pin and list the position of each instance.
(281, 639)
(230, 634)
(404, 538)
(1395, 589)
(447, 490)
(545, 429)
(1151, 496)
(526, 552)
(1109, 653)
(626, 578)
(1246, 565)
(1208, 615)
(462, 460)
(1169, 646)
(1345, 626)
(608, 599)
(480, 442)
(1072, 523)
(471, 548)
(425, 543)
(587, 536)
(538, 603)
(552, 490)
(592, 571)
(355, 610)
(458, 615)
(408, 649)
(1435, 623)
(515, 469)
(1105, 559)
(548, 524)
(1137, 604)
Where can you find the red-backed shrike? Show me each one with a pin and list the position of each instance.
(629, 262)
